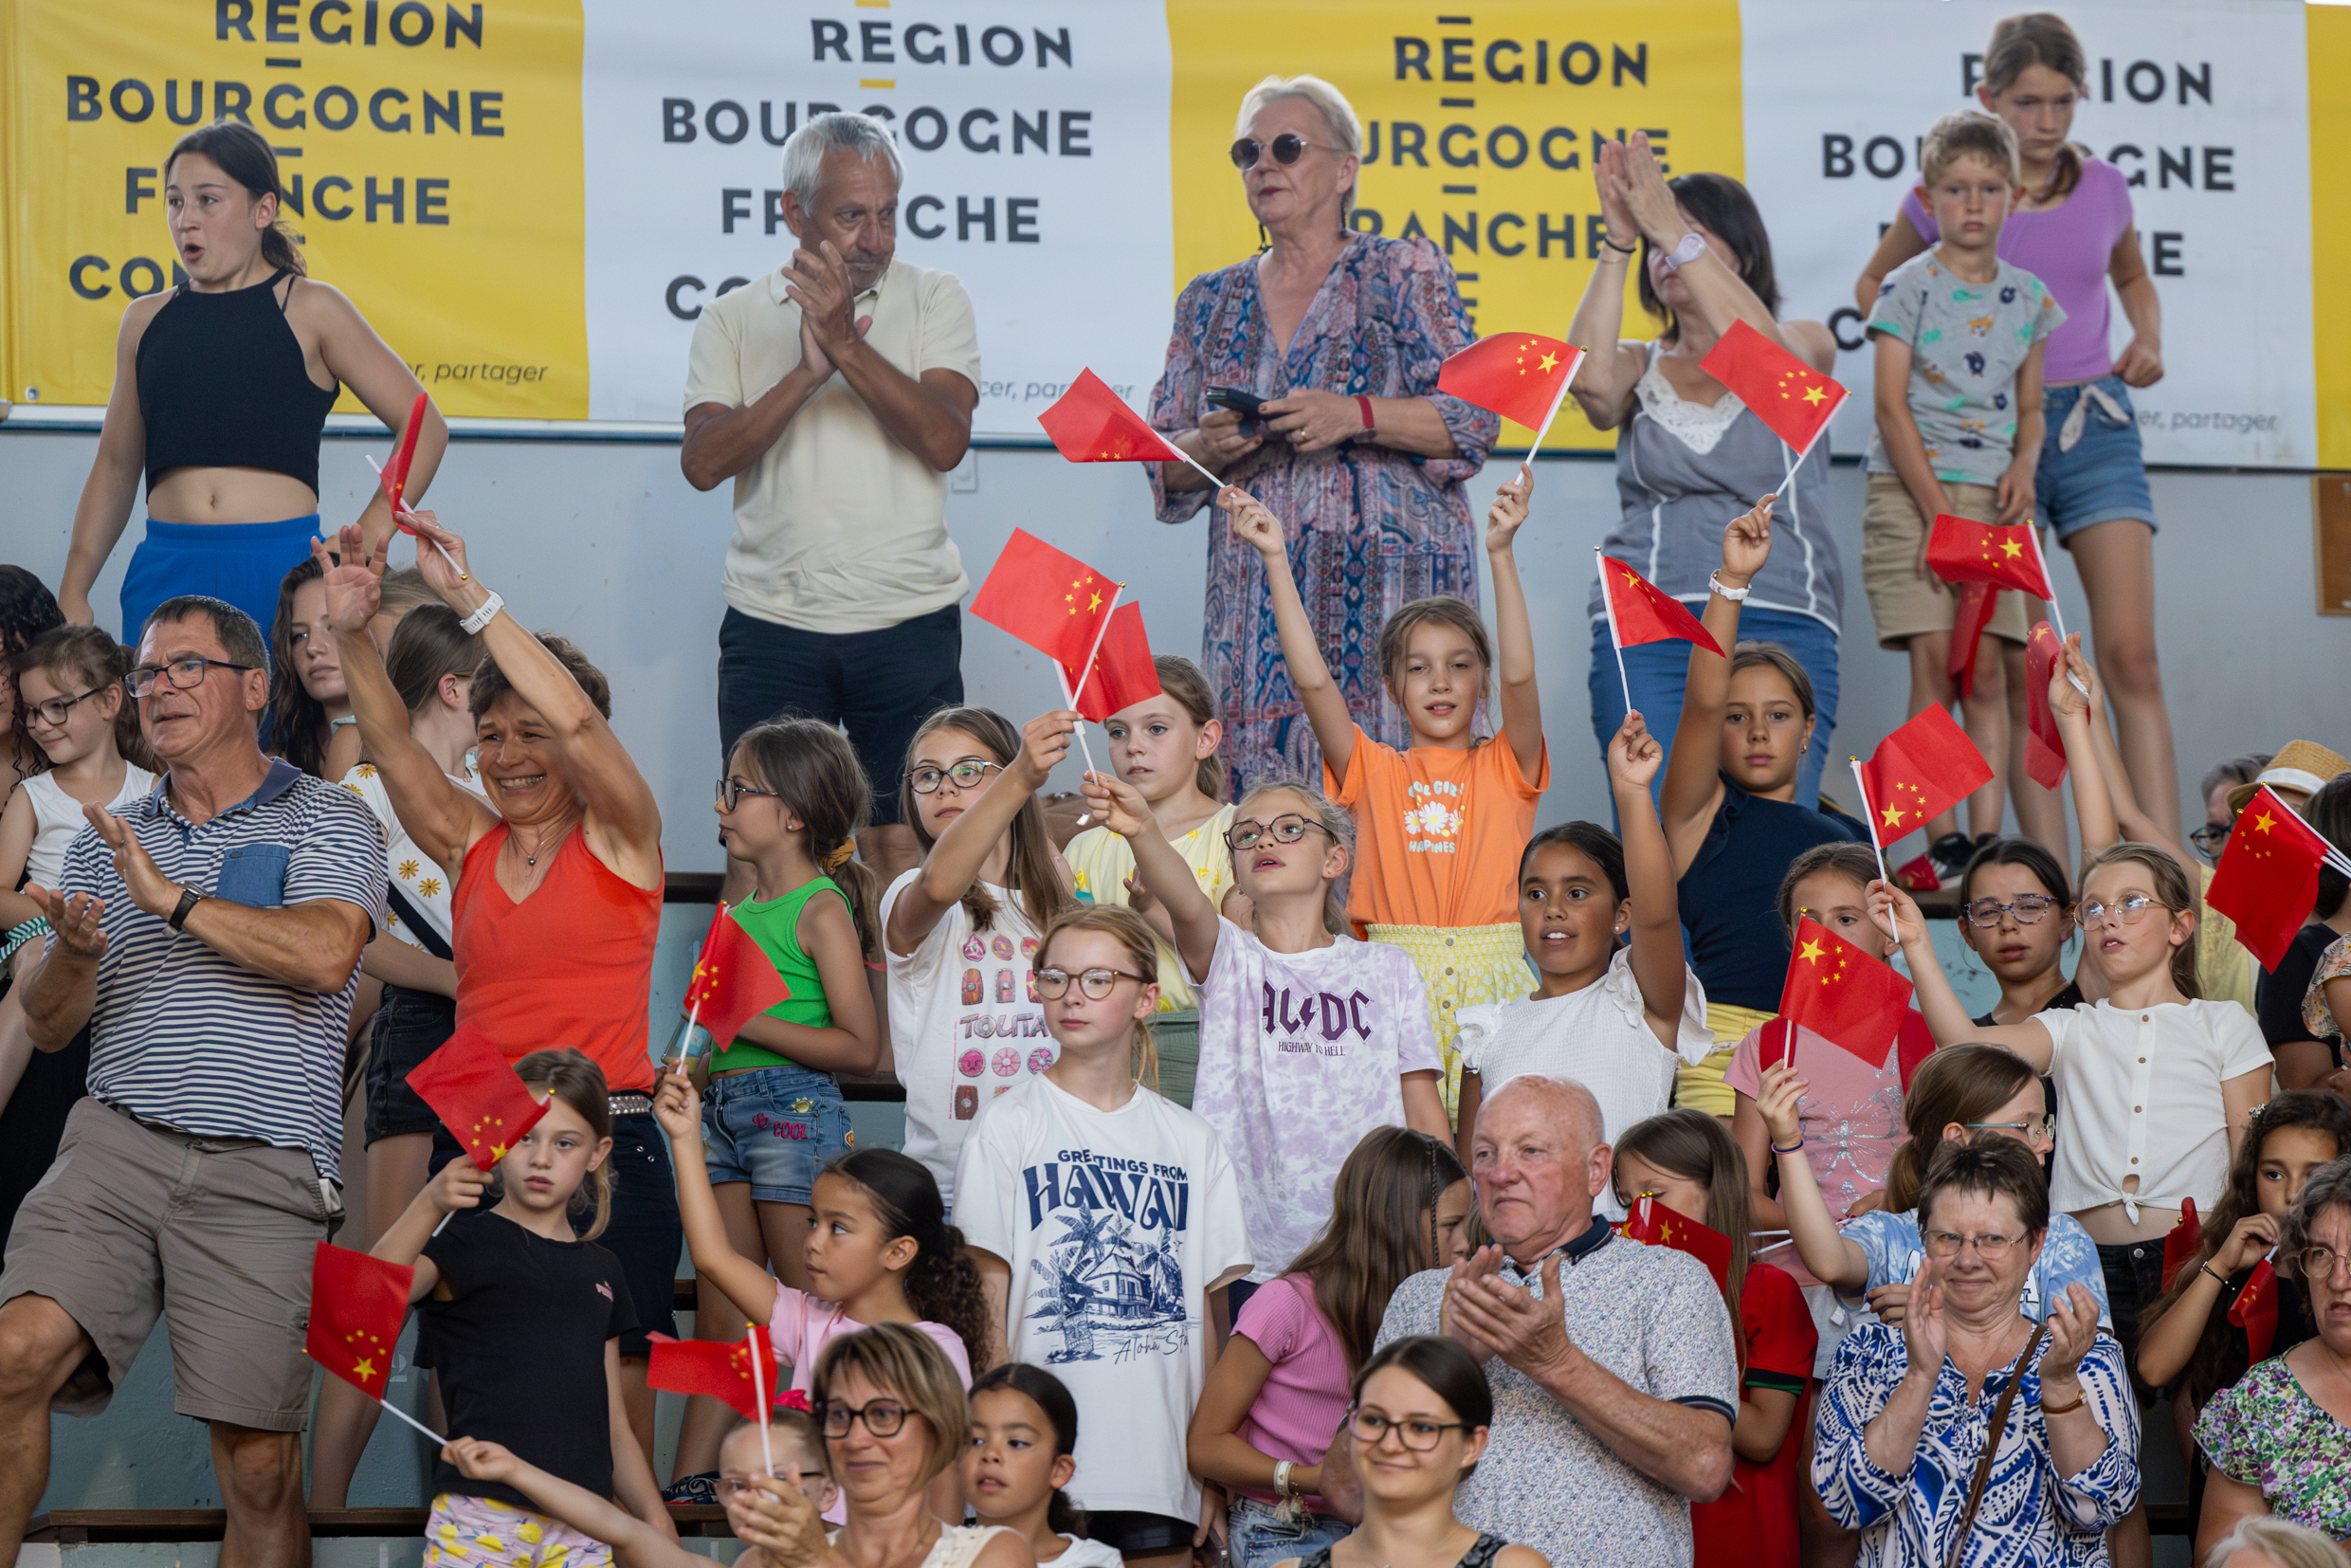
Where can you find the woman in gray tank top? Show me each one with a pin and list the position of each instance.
(1691, 457)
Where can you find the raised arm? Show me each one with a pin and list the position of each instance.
(1604, 383)
(1658, 966)
(1719, 294)
(2167, 1343)
(618, 799)
(632, 1539)
(2078, 722)
(746, 1284)
(459, 1185)
(1831, 1258)
(111, 489)
(440, 818)
(1513, 634)
(1163, 871)
(955, 861)
(1891, 909)
(1326, 704)
(1693, 773)
(382, 381)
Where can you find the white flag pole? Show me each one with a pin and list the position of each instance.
(2335, 857)
(412, 1420)
(1608, 604)
(1557, 399)
(1870, 817)
(754, 1353)
(400, 505)
(1072, 698)
(2056, 614)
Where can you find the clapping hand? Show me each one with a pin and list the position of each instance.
(1651, 199)
(74, 921)
(1926, 1332)
(1488, 1312)
(150, 890)
(1616, 192)
(353, 585)
(818, 281)
(2072, 1328)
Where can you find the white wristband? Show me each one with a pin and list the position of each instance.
(1714, 580)
(491, 605)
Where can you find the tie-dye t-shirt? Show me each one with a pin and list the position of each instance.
(1967, 341)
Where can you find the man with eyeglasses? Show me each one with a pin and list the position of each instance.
(209, 940)
(836, 392)
(1614, 1374)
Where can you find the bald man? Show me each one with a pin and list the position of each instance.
(1615, 1376)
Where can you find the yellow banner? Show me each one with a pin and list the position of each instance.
(2330, 227)
(1478, 131)
(432, 152)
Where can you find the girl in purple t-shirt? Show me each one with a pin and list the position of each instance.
(2071, 227)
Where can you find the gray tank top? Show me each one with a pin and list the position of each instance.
(1683, 470)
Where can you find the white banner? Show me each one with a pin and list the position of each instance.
(1035, 140)
(2203, 104)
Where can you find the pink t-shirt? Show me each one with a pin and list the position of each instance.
(1305, 1390)
(1850, 1115)
(801, 1326)
(2067, 247)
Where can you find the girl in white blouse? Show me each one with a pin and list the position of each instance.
(2154, 1083)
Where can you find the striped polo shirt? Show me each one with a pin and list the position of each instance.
(182, 1035)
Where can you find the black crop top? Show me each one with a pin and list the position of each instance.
(222, 385)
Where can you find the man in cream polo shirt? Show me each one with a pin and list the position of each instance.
(836, 393)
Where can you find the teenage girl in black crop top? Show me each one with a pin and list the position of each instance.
(222, 388)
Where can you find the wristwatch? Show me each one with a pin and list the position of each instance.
(1692, 247)
(188, 899)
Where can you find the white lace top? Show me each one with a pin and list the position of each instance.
(1697, 425)
(958, 1545)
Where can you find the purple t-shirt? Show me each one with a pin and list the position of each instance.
(2067, 247)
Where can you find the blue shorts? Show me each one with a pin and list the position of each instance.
(2104, 476)
(241, 562)
(775, 1128)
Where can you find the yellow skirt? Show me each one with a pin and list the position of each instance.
(1701, 1088)
(1462, 966)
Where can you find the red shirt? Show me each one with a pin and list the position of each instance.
(1754, 1521)
(570, 966)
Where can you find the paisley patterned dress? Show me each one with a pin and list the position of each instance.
(1369, 529)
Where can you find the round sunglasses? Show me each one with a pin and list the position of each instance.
(1286, 149)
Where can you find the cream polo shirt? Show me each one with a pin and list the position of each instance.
(837, 527)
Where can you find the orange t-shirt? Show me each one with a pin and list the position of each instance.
(1439, 833)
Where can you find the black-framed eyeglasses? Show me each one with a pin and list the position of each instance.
(2029, 908)
(964, 774)
(2128, 912)
(883, 1417)
(732, 790)
(730, 1487)
(2211, 839)
(2319, 1263)
(1286, 149)
(1991, 1248)
(1052, 984)
(186, 674)
(1371, 1429)
(2038, 1129)
(1286, 829)
(55, 711)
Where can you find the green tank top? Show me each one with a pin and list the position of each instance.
(774, 924)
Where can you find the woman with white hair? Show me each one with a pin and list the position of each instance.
(1340, 333)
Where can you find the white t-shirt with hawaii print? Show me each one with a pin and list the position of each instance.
(1300, 1055)
(1115, 1225)
(421, 881)
(966, 1023)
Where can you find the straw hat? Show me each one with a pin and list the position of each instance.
(2303, 765)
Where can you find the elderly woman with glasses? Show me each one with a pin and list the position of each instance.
(1307, 375)
(1973, 1434)
(2280, 1440)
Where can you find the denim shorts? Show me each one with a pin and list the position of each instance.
(2104, 476)
(1261, 1537)
(410, 1026)
(775, 1128)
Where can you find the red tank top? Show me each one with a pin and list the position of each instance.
(570, 965)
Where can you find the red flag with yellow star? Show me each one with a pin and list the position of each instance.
(1520, 375)
(720, 1368)
(1639, 612)
(1927, 766)
(1963, 550)
(357, 1305)
(1124, 672)
(1090, 423)
(1047, 598)
(2180, 1241)
(1978, 603)
(472, 1088)
(2255, 1311)
(2267, 877)
(734, 979)
(2045, 744)
(1654, 1225)
(1790, 397)
(1842, 993)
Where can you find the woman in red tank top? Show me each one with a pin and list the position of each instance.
(557, 892)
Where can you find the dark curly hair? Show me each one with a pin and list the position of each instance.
(942, 1283)
(27, 609)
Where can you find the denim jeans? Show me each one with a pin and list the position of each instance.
(1658, 671)
(1261, 1537)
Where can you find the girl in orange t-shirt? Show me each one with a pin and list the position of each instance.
(1439, 827)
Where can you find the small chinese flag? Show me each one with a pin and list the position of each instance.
(1842, 993)
(2045, 744)
(1927, 766)
(2179, 1242)
(1978, 601)
(1045, 597)
(1964, 551)
(472, 1088)
(2267, 877)
(1654, 1225)
(356, 1303)
(720, 1368)
(2255, 1311)
(1123, 672)
(1638, 612)
(734, 979)
(1520, 375)
(1090, 423)
(395, 478)
(1790, 397)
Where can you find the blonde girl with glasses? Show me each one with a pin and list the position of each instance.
(1105, 1220)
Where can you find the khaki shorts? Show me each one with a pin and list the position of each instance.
(1892, 537)
(132, 1224)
